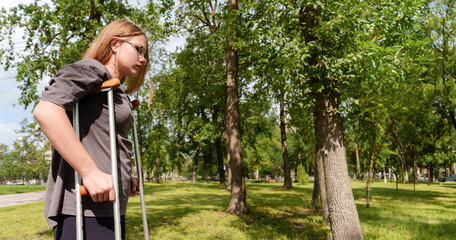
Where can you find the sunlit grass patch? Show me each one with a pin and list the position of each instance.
(24, 222)
(183, 210)
(429, 212)
(12, 189)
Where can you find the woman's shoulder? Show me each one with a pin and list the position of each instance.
(88, 66)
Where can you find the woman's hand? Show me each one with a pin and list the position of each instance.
(134, 190)
(100, 186)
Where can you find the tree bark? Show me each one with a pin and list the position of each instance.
(415, 173)
(195, 163)
(397, 183)
(228, 155)
(320, 173)
(297, 164)
(238, 203)
(429, 173)
(343, 216)
(157, 172)
(384, 174)
(316, 192)
(207, 154)
(175, 175)
(228, 168)
(357, 172)
(283, 133)
(218, 149)
(221, 171)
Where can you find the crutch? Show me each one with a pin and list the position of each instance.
(108, 86)
(135, 104)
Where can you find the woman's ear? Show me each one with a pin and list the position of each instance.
(114, 44)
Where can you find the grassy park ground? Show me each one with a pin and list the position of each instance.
(12, 189)
(182, 210)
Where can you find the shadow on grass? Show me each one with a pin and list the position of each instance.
(426, 213)
(272, 210)
(388, 222)
(426, 195)
(48, 233)
(286, 213)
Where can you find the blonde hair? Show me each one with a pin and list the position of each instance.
(101, 51)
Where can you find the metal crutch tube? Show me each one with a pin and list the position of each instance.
(79, 213)
(109, 86)
(135, 104)
(114, 172)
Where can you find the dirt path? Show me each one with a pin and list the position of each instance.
(21, 198)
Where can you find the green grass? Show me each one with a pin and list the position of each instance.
(429, 212)
(11, 189)
(197, 211)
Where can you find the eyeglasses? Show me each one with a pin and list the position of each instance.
(140, 50)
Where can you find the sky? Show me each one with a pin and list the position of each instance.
(11, 114)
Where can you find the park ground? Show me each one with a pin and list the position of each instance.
(182, 210)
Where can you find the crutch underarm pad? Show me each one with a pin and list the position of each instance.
(113, 83)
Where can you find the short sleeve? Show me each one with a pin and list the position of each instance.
(70, 84)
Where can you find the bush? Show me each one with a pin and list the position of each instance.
(301, 175)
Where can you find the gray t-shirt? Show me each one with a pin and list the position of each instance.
(70, 85)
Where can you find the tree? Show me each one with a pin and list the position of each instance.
(201, 63)
(238, 201)
(29, 158)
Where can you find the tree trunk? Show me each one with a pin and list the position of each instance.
(175, 175)
(330, 148)
(238, 203)
(370, 174)
(401, 156)
(218, 149)
(357, 172)
(283, 133)
(415, 174)
(389, 173)
(297, 164)
(403, 171)
(320, 173)
(228, 155)
(397, 183)
(343, 216)
(228, 172)
(429, 173)
(316, 191)
(207, 153)
(221, 171)
(195, 163)
(406, 175)
(384, 174)
(157, 172)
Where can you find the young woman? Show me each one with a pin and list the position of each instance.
(120, 51)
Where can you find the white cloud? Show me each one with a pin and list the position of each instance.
(7, 134)
(174, 42)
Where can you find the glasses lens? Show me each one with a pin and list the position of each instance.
(139, 49)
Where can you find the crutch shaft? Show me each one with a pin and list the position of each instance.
(115, 177)
(79, 213)
(110, 86)
(140, 179)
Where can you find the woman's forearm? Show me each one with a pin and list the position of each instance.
(57, 127)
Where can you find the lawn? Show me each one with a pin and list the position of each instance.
(182, 210)
(11, 189)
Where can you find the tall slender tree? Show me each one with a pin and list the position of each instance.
(238, 202)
